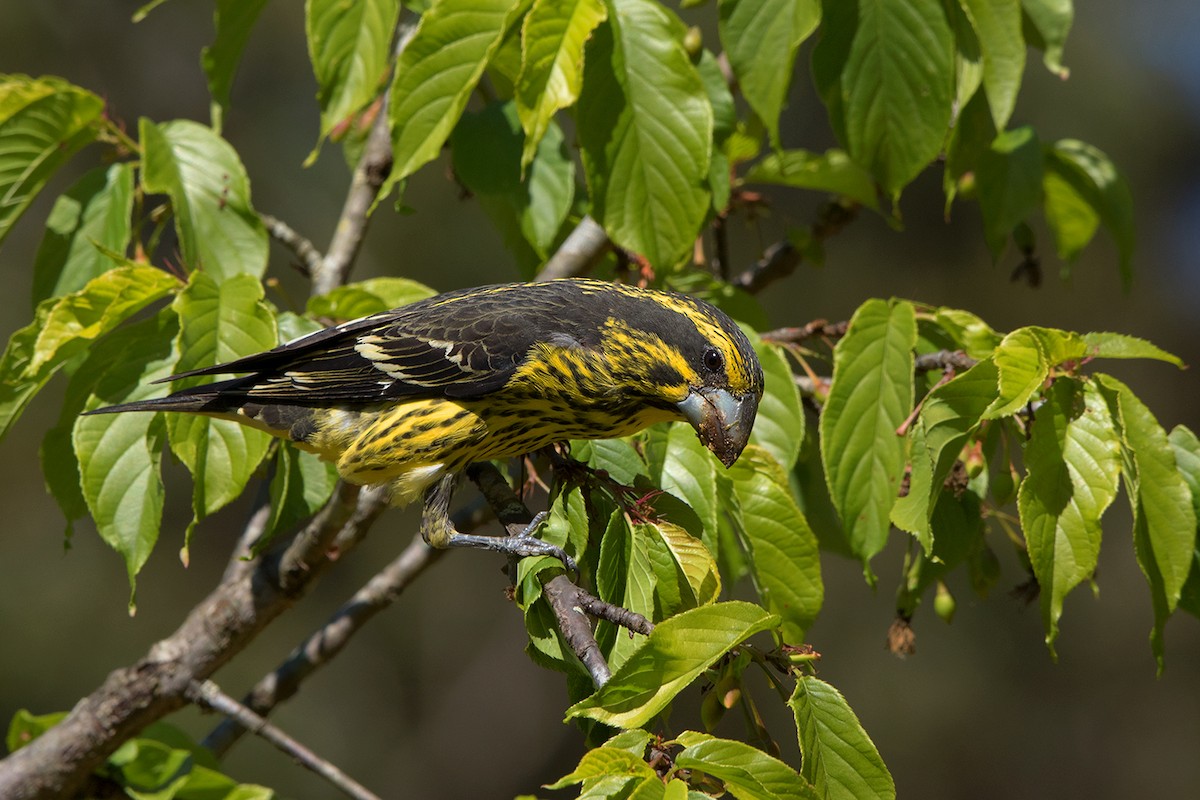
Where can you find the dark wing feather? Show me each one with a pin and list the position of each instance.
(462, 345)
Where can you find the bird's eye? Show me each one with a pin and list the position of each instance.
(713, 360)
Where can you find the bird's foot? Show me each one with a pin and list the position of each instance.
(522, 545)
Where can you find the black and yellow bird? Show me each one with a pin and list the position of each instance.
(412, 396)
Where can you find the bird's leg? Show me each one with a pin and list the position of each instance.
(438, 531)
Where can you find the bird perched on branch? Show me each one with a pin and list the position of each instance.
(412, 396)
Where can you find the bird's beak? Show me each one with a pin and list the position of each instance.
(722, 420)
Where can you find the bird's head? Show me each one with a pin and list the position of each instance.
(692, 360)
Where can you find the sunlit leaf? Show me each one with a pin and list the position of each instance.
(1164, 522)
(761, 38)
(1072, 463)
(436, 73)
(89, 218)
(886, 74)
(43, 122)
(554, 35)
(998, 23)
(673, 656)
(747, 772)
(219, 322)
(645, 129)
(871, 395)
(210, 196)
(838, 757)
(119, 454)
(784, 559)
(349, 46)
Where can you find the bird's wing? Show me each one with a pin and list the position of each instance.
(460, 345)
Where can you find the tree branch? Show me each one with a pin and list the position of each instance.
(570, 602)
(250, 595)
(207, 695)
(374, 166)
(579, 252)
(782, 258)
(324, 644)
(58, 763)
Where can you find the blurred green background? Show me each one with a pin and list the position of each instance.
(436, 698)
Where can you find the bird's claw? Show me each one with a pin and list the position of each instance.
(522, 545)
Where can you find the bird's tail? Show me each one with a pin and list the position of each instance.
(221, 397)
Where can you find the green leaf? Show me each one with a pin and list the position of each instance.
(886, 74)
(89, 218)
(1120, 345)
(43, 122)
(998, 24)
(64, 327)
(1072, 463)
(104, 303)
(617, 457)
(1072, 219)
(673, 656)
(779, 426)
(871, 395)
(553, 37)
(1187, 458)
(1049, 24)
(605, 762)
(686, 574)
(144, 766)
(625, 577)
(839, 758)
(970, 139)
(1022, 371)
(119, 455)
(210, 195)
(487, 159)
(143, 342)
(1010, 184)
(950, 413)
(761, 38)
(1164, 521)
(784, 558)
(747, 772)
(349, 45)
(1025, 358)
(970, 333)
(683, 467)
(219, 322)
(832, 172)
(301, 485)
(436, 74)
(233, 19)
(372, 296)
(1096, 182)
(645, 128)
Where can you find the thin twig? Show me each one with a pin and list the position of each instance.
(946, 360)
(817, 329)
(208, 695)
(782, 258)
(308, 258)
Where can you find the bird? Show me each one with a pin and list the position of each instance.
(412, 396)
